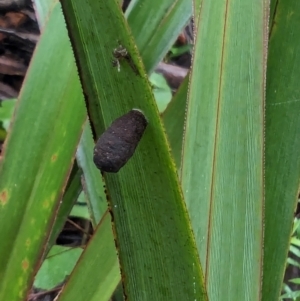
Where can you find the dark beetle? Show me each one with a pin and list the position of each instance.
(118, 143)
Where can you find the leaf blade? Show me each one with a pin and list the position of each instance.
(222, 169)
(31, 184)
(134, 206)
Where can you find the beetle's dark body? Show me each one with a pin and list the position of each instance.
(118, 143)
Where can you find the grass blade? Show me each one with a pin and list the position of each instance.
(156, 248)
(98, 259)
(282, 142)
(222, 167)
(156, 25)
(37, 158)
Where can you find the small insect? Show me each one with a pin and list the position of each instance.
(118, 143)
(119, 53)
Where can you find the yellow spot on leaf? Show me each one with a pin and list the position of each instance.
(46, 204)
(53, 196)
(3, 197)
(25, 264)
(54, 158)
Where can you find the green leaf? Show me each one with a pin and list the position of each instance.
(6, 111)
(37, 157)
(295, 241)
(156, 25)
(177, 51)
(293, 262)
(282, 161)
(161, 91)
(80, 209)
(295, 280)
(295, 250)
(291, 295)
(70, 196)
(222, 165)
(98, 269)
(57, 266)
(156, 248)
(173, 118)
(296, 225)
(92, 181)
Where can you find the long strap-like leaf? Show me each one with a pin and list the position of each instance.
(222, 165)
(156, 248)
